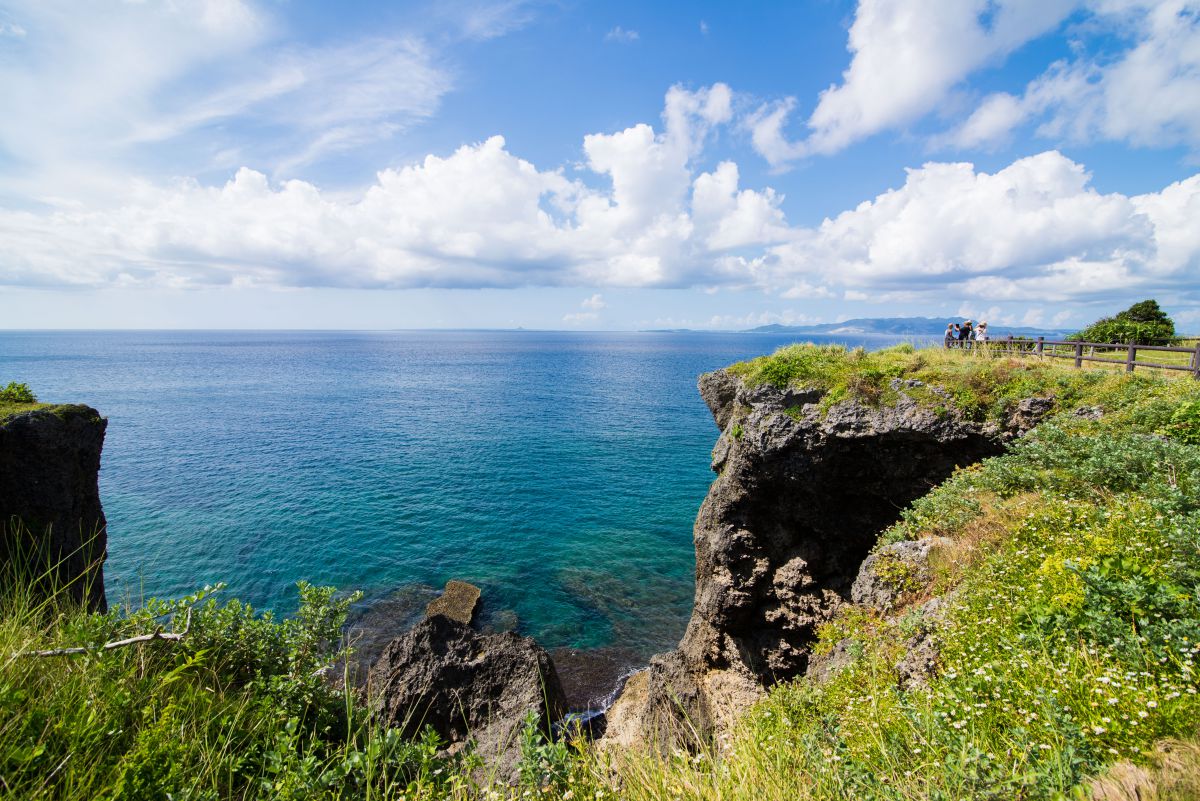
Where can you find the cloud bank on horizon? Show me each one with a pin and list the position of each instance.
(122, 114)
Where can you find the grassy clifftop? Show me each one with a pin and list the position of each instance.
(980, 383)
(9, 408)
(1067, 644)
(1068, 636)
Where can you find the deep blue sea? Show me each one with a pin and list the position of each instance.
(561, 472)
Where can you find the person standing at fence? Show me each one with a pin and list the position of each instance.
(964, 334)
(951, 335)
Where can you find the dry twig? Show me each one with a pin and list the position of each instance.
(109, 646)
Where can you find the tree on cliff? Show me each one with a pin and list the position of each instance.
(1144, 323)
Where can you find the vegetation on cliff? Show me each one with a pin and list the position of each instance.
(237, 708)
(1066, 641)
(16, 398)
(1068, 634)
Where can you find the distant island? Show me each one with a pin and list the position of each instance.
(893, 326)
(899, 326)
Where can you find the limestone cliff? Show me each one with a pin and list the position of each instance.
(51, 521)
(802, 491)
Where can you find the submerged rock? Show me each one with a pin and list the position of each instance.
(467, 686)
(456, 602)
(590, 676)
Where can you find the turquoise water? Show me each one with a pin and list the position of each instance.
(560, 472)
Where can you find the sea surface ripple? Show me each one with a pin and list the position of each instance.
(560, 472)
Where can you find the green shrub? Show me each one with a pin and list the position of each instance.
(17, 393)
(1143, 323)
(545, 763)
(1185, 423)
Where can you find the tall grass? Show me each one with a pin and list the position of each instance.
(236, 709)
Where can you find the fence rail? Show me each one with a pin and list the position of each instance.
(1081, 352)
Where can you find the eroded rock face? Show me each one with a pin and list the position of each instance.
(444, 674)
(799, 500)
(798, 503)
(49, 471)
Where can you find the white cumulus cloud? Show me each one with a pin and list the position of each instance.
(1148, 96)
(906, 56)
(1035, 230)
(480, 216)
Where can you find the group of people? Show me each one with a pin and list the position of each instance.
(965, 335)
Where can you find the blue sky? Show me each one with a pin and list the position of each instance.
(616, 165)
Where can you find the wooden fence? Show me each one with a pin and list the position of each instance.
(1185, 359)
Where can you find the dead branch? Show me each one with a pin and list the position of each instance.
(157, 634)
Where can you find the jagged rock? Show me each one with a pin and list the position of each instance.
(669, 704)
(1089, 412)
(456, 602)
(718, 391)
(921, 652)
(800, 497)
(1029, 413)
(894, 571)
(466, 685)
(823, 667)
(49, 470)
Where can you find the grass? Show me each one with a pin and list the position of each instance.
(234, 710)
(982, 384)
(9, 408)
(1068, 644)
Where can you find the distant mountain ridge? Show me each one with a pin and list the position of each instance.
(896, 326)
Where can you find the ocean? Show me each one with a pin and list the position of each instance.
(560, 472)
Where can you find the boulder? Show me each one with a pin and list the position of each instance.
(1030, 412)
(922, 650)
(466, 686)
(823, 667)
(456, 602)
(894, 572)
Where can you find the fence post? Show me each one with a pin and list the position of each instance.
(1130, 356)
(1196, 362)
(1079, 354)
(1008, 345)
(1041, 344)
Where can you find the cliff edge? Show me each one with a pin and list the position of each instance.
(805, 484)
(51, 519)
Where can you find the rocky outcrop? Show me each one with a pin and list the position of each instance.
(51, 520)
(801, 495)
(466, 685)
(893, 572)
(921, 650)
